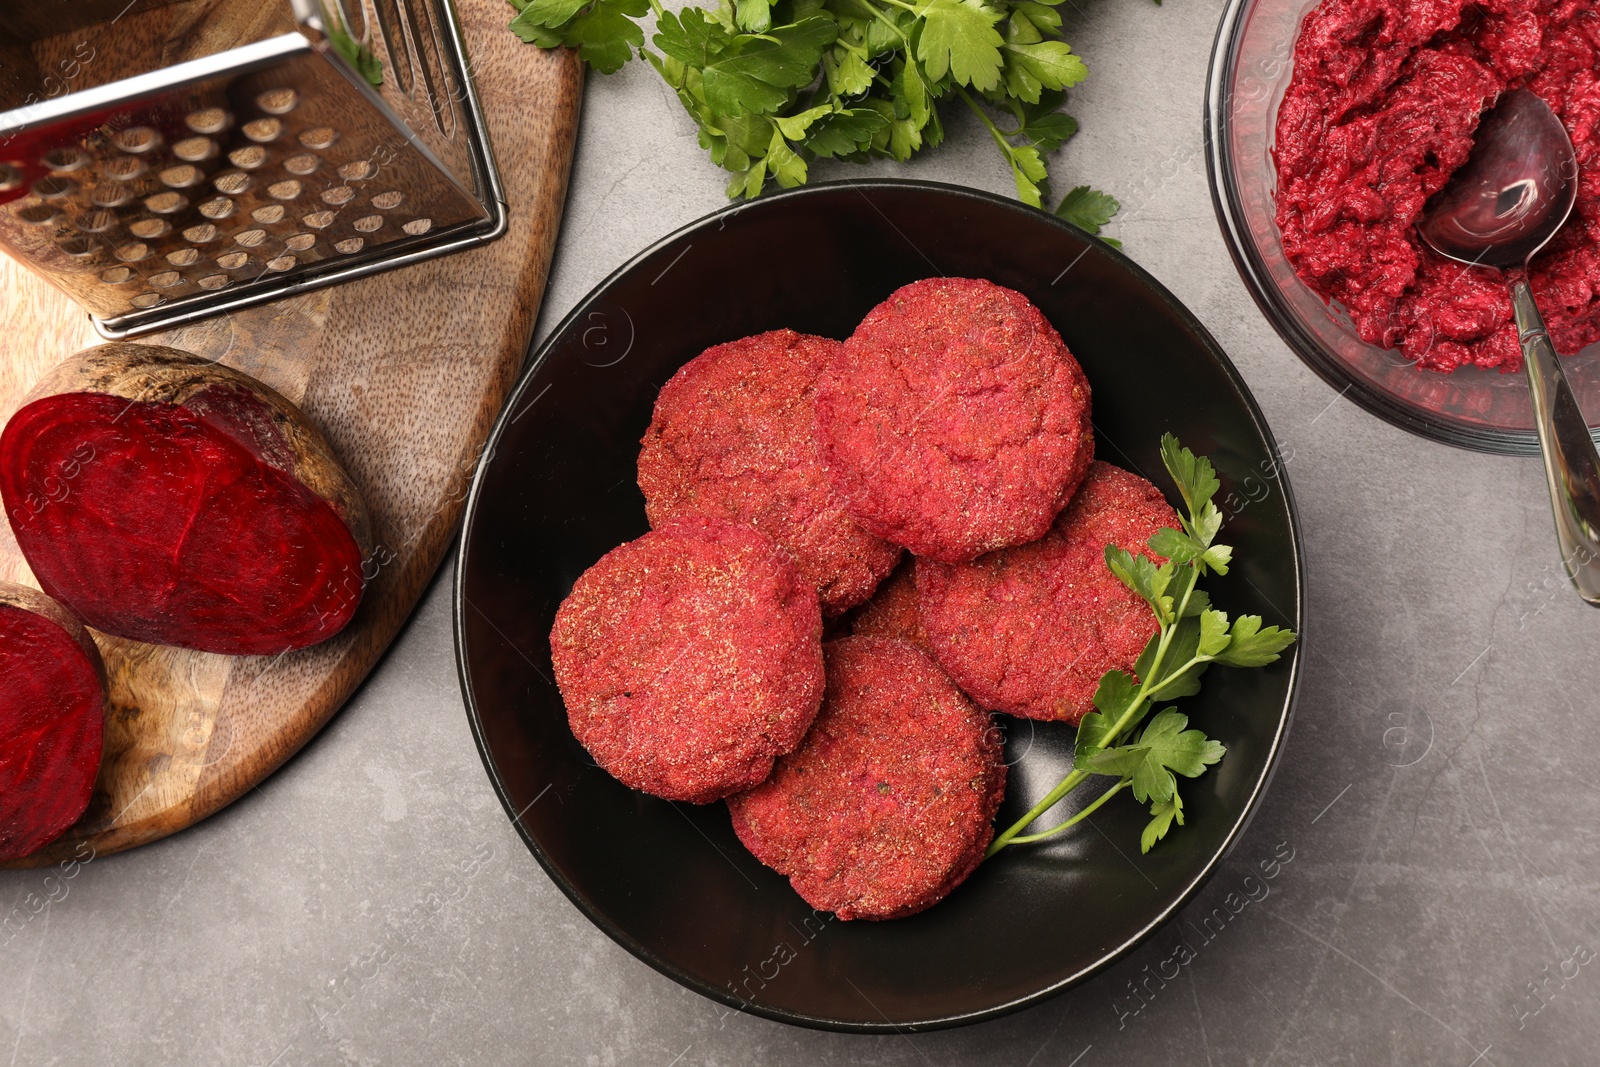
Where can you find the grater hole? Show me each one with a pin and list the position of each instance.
(263, 130)
(368, 223)
(219, 207)
(147, 300)
(95, 221)
(354, 172)
(116, 275)
(165, 280)
(281, 263)
(249, 157)
(65, 160)
(319, 137)
(54, 188)
(183, 257)
(319, 220)
(133, 251)
(302, 164)
(111, 196)
(387, 201)
(338, 196)
(214, 281)
(149, 229)
(418, 227)
(136, 139)
(182, 176)
(195, 149)
(284, 190)
(124, 168)
(78, 247)
(300, 242)
(166, 203)
(208, 120)
(249, 238)
(37, 214)
(201, 234)
(268, 215)
(353, 244)
(10, 177)
(278, 101)
(233, 260)
(232, 182)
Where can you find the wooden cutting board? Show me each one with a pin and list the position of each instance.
(404, 372)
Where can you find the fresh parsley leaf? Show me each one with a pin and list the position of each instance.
(958, 37)
(1214, 635)
(1050, 62)
(1140, 574)
(753, 16)
(1050, 132)
(1087, 208)
(846, 72)
(1175, 545)
(745, 72)
(1168, 748)
(843, 133)
(782, 163)
(1116, 693)
(1162, 813)
(603, 31)
(1196, 478)
(1253, 645)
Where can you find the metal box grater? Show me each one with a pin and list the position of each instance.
(165, 160)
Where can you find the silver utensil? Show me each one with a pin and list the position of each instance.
(165, 161)
(1514, 193)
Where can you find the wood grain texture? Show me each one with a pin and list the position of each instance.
(404, 372)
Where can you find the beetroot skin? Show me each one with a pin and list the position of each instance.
(52, 712)
(175, 501)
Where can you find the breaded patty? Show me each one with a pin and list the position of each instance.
(690, 658)
(733, 436)
(888, 803)
(1030, 630)
(954, 421)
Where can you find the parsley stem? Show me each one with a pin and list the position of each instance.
(1074, 820)
(994, 131)
(1147, 692)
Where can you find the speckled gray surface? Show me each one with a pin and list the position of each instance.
(370, 904)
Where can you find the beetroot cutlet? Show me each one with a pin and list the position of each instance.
(733, 436)
(888, 803)
(690, 658)
(892, 611)
(1030, 630)
(954, 421)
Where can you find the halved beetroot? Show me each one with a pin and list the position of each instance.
(52, 713)
(172, 500)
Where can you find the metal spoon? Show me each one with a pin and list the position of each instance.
(1515, 191)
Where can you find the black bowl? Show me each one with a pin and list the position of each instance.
(670, 882)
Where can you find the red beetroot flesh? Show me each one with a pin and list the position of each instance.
(52, 708)
(1383, 107)
(160, 523)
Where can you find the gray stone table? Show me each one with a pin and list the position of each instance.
(1435, 795)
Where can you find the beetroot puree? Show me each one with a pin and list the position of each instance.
(1385, 99)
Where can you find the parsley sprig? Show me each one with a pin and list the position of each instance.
(1191, 636)
(774, 85)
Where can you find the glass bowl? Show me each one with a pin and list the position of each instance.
(1251, 64)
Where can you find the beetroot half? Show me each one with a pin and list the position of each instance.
(172, 500)
(52, 714)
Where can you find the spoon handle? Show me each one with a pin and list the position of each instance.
(1571, 465)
